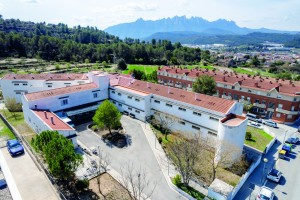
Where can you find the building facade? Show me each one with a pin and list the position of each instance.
(272, 98)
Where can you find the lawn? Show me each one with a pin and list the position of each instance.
(260, 139)
(253, 71)
(19, 124)
(5, 131)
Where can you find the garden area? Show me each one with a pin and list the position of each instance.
(257, 138)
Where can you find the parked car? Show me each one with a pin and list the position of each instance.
(14, 147)
(265, 193)
(274, 175)
(292, 140)
(3, 184)
(287, 147)
(253, 117)
(255, 124)
(269, 122)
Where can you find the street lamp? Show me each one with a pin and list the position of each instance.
(264, 169)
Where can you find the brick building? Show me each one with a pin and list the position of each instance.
(271, 98)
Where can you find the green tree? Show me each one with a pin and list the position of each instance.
(122, 64)
(255, 62)
(13, 106)
(205, 84)
(59, 153)
(107, 116)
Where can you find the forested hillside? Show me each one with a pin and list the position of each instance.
(62, 43)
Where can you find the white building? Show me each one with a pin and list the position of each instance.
(190, 112)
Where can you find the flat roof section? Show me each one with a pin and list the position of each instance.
(56, 124)
(132, 91)
(60, 91)
(233, 120)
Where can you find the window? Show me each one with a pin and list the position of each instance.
(196, 113)
(235, 97)
(295, 99)
(64, 102)
(16, 84)
(271, 105)
(225, 86)
(113, 92)
(119, 94)
(213, 118)
(233, 87)
(280, 106)
(129, 97)
(129, 108)
(95, 95)
(137, 100)
(278, 115)
(196, 127)
(212, 133)
(137, 111)
(241, 88)
(249, 91)
(293, 108)
(156, 101)
(248, 98)
(169, 105)
(49, 85)
(25, 84)
(182, 109)
(114, 102)
(263, 102)
(256, 100)
(120, 105)
(182, 122)
(224, 93)
(289, 116)
(279, 97)
(268, 94)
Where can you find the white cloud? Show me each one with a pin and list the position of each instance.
(184, 2)
(30, 1)
(141, 7)
(83, 19)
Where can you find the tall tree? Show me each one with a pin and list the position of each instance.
(107, 116)
(122, 64)
(205, 84)
(13, 106)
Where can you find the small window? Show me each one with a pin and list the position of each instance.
(182, 122)
(289, 116)
(212, 133)
(280, 106)
(196, 113)
(95, 95)
(120, 105)
(129, 97)
(196, 127)
(295, 99)
(169, 105)
(114, 102)
(279, 97)
(278, 115)
(129, 108)
(213, 118)
(16, 84)
(225, 86)
(119, 94)
(25, 84)
(113, 92)
(64, 102)
(137, 111)
(249, 91)
(156, 101)
(268, 94)
(137, 100)
(256, 100)
(263, 102)
(241, 88)
(182, 109)
(233, 87)
(49, 85)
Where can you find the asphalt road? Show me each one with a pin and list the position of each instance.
(288, 187)
(138, 153)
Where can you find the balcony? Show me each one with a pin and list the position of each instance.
(260, 105)
(226, 97)
(170, 84)
(288, 112)
(160, 81)
(245, 102)
(178, 85)
(270, 109)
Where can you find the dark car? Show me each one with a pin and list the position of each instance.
(3, 184)
(292, 140)
(274, 175)
(15, 147)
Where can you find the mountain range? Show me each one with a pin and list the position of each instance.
(182, 25)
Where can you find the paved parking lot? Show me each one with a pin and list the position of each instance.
(30, 182)
(138, 152)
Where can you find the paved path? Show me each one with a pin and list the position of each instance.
(138, 152)
(28, 182)
(288, 187)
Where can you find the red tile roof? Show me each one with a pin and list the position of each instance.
(230, 78)
(60, 91)
(201, 100)
(57, 124)
(46, 77)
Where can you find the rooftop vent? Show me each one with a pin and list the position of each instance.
(52, 120)
(45, 113)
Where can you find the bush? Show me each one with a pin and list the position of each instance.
(191, 191)
(160, 140)
(177, 180)
(81, 185)
(248, 135)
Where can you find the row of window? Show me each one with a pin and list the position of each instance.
(17, 84)
(129, 97)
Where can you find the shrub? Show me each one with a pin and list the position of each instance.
(81, 185)
(160, 140)
(177, 180)
(248, 135)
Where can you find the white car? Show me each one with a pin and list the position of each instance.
(265, 194)
(269, 122)
(274, 175)
(255, 124)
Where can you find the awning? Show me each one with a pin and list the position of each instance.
(82, 110)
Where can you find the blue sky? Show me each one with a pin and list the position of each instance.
(273, 14)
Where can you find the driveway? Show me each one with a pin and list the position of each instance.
(138, 153)
(288, 187)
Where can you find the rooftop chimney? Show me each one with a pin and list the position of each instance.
(148, 85)
(35, 106)
(45, 113)
(196, 96)
(52, 120)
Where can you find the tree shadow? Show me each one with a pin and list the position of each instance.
(117, 139)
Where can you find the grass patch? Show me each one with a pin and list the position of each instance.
(253, 71)
(19, 123)
(191, 191)
(5, 131)
(260, 139)
(148, 69)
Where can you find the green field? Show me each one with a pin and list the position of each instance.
(260, 139)
(252, 71)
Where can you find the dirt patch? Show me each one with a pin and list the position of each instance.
(110, 189)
